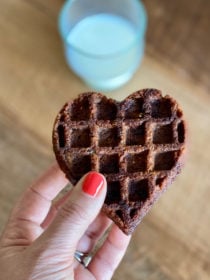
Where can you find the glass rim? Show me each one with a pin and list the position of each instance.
(140, 33)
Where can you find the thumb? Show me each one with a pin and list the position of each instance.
(77, 213)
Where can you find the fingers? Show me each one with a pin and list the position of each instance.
(35, 202)
(75, 216)
(33, 206)
(81, 273)
(94, 232)
(110, 254)
(54, 209)
(50, 183)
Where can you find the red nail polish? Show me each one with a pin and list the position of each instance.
(93, 183)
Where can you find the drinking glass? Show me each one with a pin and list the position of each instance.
(103, 40)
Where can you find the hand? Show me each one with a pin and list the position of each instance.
(41, 237)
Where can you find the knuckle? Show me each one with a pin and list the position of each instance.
(92, 235)
(73, 210)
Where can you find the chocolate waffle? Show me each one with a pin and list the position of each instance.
(138, 144)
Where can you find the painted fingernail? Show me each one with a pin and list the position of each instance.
(93, 183)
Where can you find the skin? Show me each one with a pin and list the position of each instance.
(41, 236)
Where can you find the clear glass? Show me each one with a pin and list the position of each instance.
(100, 55)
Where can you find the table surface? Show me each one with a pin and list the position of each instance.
(172, 242)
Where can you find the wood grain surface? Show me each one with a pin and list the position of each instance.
(172, 242)
(178, 36)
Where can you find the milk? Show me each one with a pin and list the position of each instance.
(104, 50)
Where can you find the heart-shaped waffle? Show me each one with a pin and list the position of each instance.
(138, 144)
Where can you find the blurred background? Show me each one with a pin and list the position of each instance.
(172, 242)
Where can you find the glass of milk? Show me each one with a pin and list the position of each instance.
(103, 40)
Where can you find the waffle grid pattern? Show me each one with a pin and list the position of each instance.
(134, 143)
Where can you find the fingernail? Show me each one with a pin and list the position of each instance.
(93, 183)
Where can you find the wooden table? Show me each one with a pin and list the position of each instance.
(173, 240)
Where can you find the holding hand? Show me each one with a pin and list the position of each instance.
(44, 240)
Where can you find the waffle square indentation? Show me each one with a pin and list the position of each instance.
(109, 164)
(165, 160)
(159, 181)
(163, 134)
(134, 108)
(61, 136)
(136, 135)
(80, 110)
(120, 214)
(181, 132)
(137, 162)
(133, 213)
(161, 108)
(106, 110)
(109, 137)
(80, 137)
(113, 194)
(139, 190)
(78, 164)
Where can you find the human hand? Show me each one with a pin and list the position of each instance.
(41, 237)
